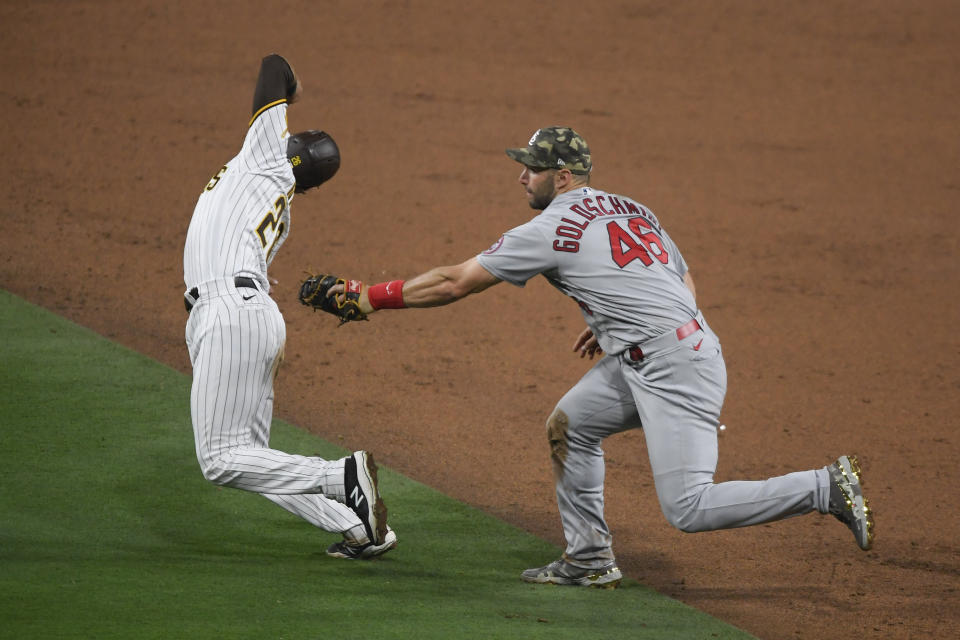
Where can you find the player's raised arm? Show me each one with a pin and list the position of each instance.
(277, 83)
(313, 154)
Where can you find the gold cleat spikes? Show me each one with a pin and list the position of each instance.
(855, 466)
(867, 511)
(847, 502)
(868, 515)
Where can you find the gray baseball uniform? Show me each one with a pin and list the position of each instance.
(663, 371)
(235, 332)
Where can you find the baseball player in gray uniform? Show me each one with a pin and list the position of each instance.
(235, 333)
(663, 370)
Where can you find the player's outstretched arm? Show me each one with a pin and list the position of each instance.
(443, 285)
(439, 286)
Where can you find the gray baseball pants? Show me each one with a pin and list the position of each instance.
(674, 391)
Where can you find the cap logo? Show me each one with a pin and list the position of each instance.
(533, 137)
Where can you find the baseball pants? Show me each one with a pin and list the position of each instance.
(236, 340)
(675, 392)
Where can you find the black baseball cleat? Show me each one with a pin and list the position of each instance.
(363, 496)
(847, 502)
(352, 551)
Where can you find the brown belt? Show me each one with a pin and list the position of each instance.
(636, 353)
(241, 282)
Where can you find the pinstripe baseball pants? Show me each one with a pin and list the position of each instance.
(236, 339)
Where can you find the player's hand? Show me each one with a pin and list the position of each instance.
(297, 93)
(363, 301)
(587, 344)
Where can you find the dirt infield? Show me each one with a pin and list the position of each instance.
(803, 156)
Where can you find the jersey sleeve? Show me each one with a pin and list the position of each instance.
(265, 146)
(519, 254)
(275, 83)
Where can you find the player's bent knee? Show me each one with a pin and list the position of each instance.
(683, 520)
(557, 426)
(688, 525)
(684, 513)
(216, 473)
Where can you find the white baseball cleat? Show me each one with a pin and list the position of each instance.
(351, 550)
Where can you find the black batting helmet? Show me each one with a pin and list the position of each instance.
(315, 158)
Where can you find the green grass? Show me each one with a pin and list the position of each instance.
(108, 530)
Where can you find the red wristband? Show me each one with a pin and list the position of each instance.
(386, 295)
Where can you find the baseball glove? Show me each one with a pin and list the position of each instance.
(346, 306)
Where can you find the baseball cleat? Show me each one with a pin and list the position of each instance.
(351, 551)
(562, 572)
(363, 496)
(847, 502)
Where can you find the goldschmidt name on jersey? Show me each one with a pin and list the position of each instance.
(601, 205)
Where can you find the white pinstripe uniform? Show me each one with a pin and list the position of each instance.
(236, 334)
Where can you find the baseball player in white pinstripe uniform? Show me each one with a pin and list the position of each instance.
(235, 333)
(664, 369)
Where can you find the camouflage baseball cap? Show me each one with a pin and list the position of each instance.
(555, 148)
